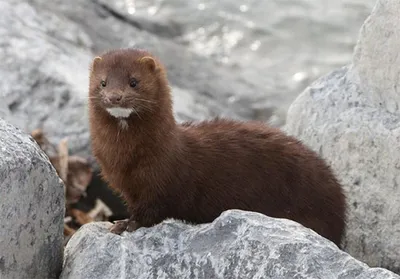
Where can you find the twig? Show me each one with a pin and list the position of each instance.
(63, 160)
(100, 207)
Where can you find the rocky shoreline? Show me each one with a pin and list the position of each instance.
(350, 116)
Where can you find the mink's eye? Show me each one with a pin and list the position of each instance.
(133, 82)
(103, 83)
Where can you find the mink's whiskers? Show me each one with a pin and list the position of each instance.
(137, 113)
(144, 100)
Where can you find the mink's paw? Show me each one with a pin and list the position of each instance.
(128, 225)
(119, 226)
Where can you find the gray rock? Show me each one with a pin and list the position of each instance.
(44, 67)
(237, 244)
(31, 209)
(351, 118)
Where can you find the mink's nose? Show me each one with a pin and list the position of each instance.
(113, 99)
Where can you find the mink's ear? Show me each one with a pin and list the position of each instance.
(96, 61)
(149, 62)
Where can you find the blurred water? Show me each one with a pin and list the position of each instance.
(282, 45)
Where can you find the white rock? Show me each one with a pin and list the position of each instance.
(351, 117)
(376, 58)
(31, 209)
(237, 244)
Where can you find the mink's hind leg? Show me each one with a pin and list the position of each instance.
(128, 225)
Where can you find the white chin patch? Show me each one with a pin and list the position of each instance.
(120, 112)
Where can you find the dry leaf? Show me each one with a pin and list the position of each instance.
(79, 176)
(68, 231)
(39, 136)
(81, 217)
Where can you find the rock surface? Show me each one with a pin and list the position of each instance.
(31, 209)
(45, 66)
(237, 244)
(351, 117)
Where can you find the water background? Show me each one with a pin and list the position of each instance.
(282, 45)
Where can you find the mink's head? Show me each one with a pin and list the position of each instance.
(127, 82)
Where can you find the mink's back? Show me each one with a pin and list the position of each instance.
(254, 167)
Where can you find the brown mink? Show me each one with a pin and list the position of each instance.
(195, 171)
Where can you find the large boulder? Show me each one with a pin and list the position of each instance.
(351, 117)
(31, 209)
(237, 244)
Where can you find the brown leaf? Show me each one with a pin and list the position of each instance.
(80, 216)
(41, 139)
(79, 176)
(68, 231)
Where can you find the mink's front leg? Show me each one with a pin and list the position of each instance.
(128, 225)
(143, 215)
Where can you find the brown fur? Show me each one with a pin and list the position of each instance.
(195, 171)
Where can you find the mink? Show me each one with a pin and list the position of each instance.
(193, 171)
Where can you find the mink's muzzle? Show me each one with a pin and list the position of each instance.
(113, 99)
